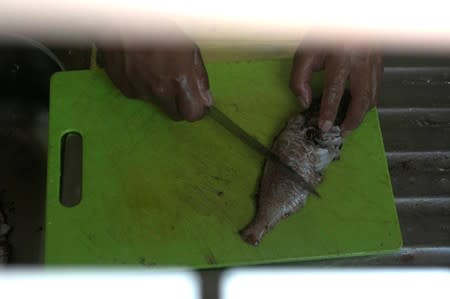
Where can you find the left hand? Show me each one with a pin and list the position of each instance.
(363, 68)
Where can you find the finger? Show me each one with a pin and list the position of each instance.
(358, 107)
(155, 91)
(189, 102)
(202, 79)
(302, 69)
(163, 94)
(363, 87)
(377, 77)
(167, 104)
(115, 69)
(337, 69)
(152, 88)
(160, 87)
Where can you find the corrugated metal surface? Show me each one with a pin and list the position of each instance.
(415, 118)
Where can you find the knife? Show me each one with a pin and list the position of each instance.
(219, 117)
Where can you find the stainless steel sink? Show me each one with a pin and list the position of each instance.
(415, 117)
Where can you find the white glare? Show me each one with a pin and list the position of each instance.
(336, 284)
(382, 23)
(111, 284)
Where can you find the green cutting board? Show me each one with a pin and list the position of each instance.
(158, 192)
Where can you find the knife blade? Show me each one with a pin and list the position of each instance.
(220, 118)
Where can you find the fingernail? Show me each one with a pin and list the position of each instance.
(326, 126)
(209, 98)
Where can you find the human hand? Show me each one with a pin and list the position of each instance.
(169, 74)
(363, 69)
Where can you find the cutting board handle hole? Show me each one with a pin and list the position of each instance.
(71, 169)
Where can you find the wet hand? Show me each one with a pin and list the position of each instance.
(362, 68)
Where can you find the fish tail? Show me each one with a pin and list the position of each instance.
(253, 232)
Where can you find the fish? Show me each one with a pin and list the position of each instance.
(309, 151)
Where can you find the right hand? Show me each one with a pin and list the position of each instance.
(170, 75)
